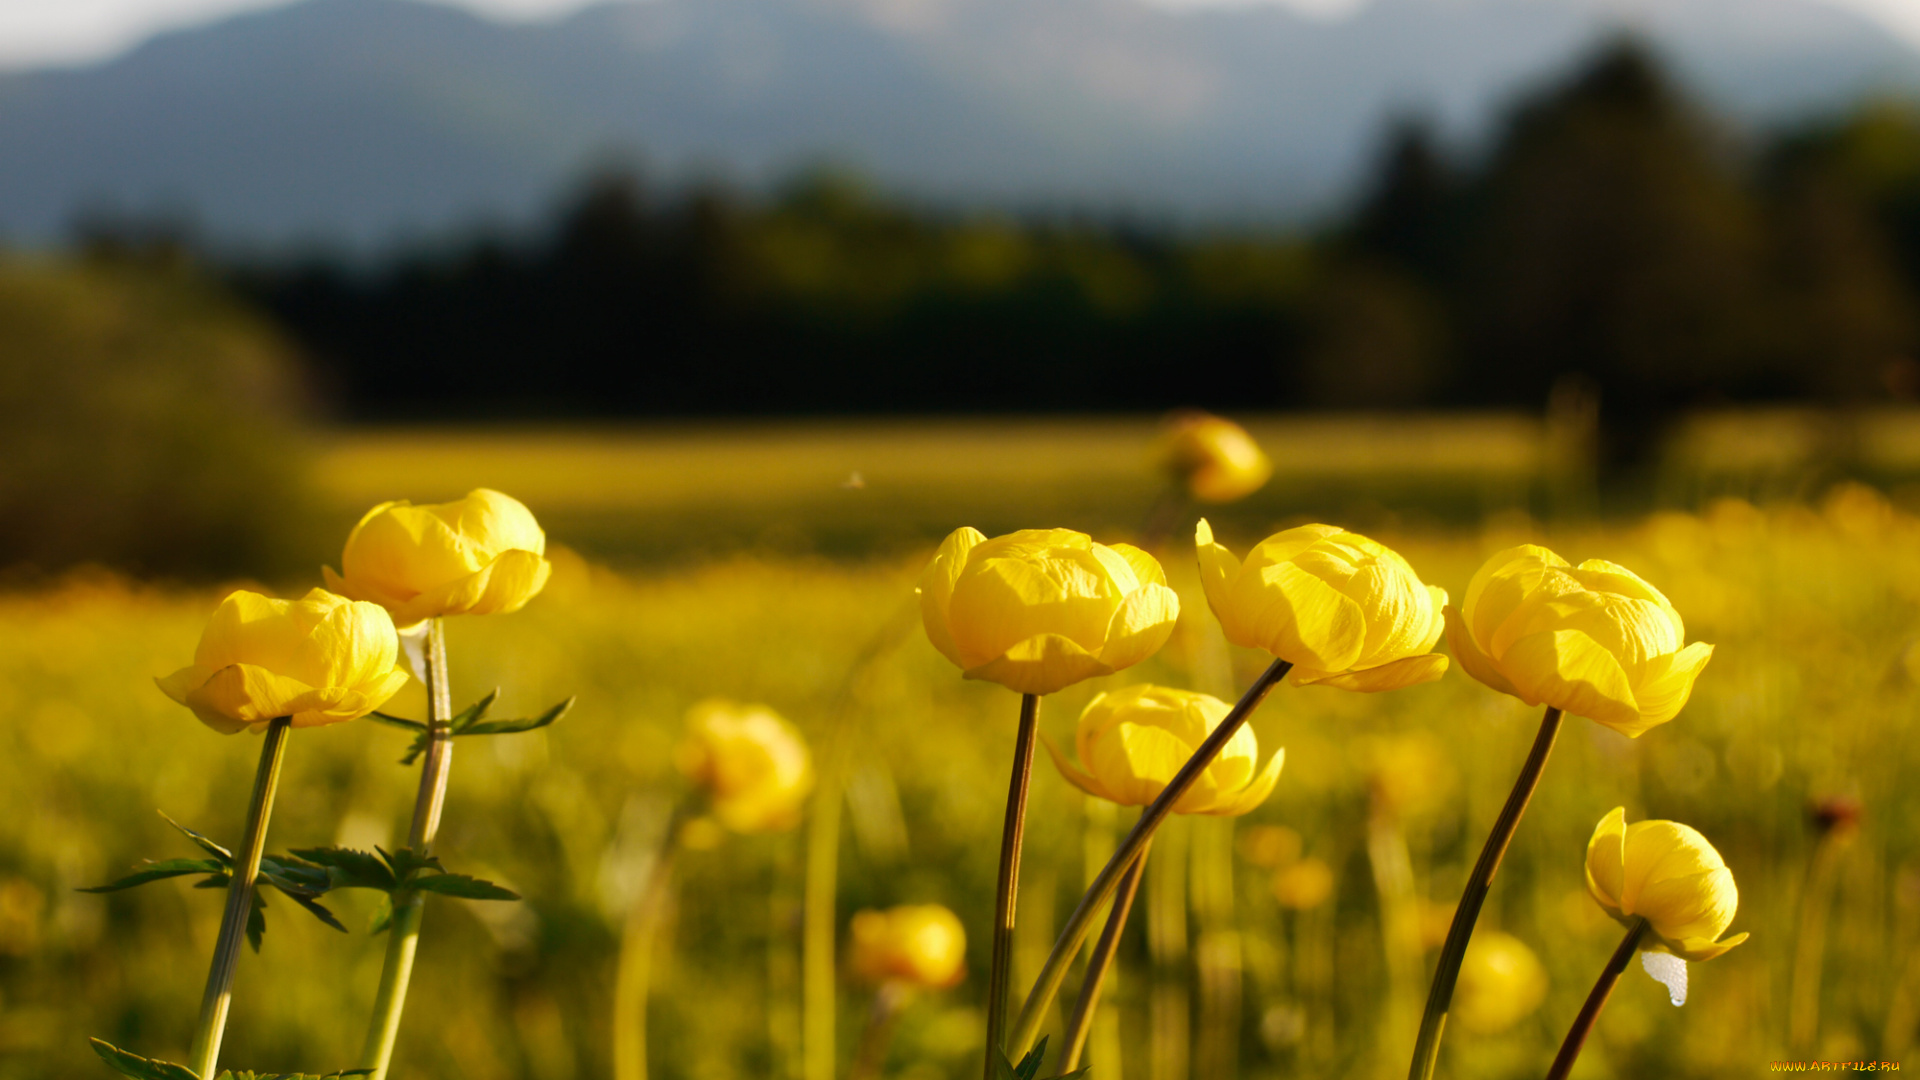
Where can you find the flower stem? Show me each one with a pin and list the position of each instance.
(1007, 891)
(1081, 1023)
(404, 932)
(1426, 1051)
(1080, 923)
(233, 923)
(1597, 1000)
(635, 971)
(872, 1054)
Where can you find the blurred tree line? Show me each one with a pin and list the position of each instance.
(1613, 251)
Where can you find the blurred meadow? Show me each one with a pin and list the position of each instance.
(1244, 958)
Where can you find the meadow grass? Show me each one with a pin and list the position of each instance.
(1814, 611)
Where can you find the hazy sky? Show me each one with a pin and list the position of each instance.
(34, 32)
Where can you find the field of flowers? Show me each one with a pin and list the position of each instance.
(1294, 941)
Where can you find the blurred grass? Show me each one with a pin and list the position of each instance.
(1815, 609)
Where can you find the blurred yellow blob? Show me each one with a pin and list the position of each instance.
(1133, 741)
(1345, 610)
(1668, 874)
(920, 944)
(1501, 983)
(320, 659)
(1216, 459)
(1593, 640)
(479, 555)
(1268, 846)
(1303, 884)
(753, 763)
(1042, 609)
(1408, 774)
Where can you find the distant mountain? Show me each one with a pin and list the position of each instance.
(362, 118)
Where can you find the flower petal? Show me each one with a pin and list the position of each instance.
(1256, 792)
(1041, 664)
(1141, 626)
(1402, 673)
(1298, 617)
(1607, 860)
(1668, 685)
(1471, 658)
(1082, 780)
(936, 587)
(1571, 672)
(1218, 570)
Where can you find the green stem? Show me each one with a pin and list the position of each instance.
(1080, 923)
(1007, 890)
(233, 923)
(404, 933)
(1426, 1051)
(1081, 1023)
(1597, 1000)
(1803, 996)
(635, 972)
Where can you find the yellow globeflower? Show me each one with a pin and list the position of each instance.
(1501, 983)
(1216, 459)
(754, 765)
(476, 556)
(1042, 609)
(1345, 610)
(920, 944)
(320, 659)
(1668, 874)
(1133, 741)
(1591, 640)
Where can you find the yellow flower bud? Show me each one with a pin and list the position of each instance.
(921, 944)
(1042, 609)
(1303, 884)
(477, 556)
(320, 659)
(1346, 611)
(1133, 741)
(1592, 640)
(754, 765)
(1668, 874)
(1501, 983)
(1217, 460)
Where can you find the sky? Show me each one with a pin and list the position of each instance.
(46, 32)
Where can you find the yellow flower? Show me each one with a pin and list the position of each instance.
(754, 765)
(1134, 740)
(1346, 611)
(1303, 884)
(922, 944)
(1501, 983)
(1592, 640)
(1042, 609)
(1669, 875)
(1217, 460)
(320, 659)
(477, 556)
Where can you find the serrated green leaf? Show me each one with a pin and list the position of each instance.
(1029, 1066)
(508, 727)
(397, 721)
(319, 911)
(467, 888)
(405, 864)
(206, 845)
(257, 921)
(158, 871)
(382, 916)
(349, 869)
(473, 713)
(294, 879)
(127, 1063)
(1002, 1068)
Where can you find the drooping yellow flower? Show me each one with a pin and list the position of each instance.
(1591, 640)
(1215, 458)
(1133, 741)
(753, 763)
(1501, 983)
(320, 659)
(1668, 874)
(920, 944)
(1345, 610)
(1042, 609)
(480, 555)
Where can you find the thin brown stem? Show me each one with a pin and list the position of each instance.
(1081, 1023)
(1426, 1051)
(1080, 923)
(1597, 1000)
(1006, 894)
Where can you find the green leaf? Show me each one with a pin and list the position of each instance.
(211, 848)
(406, 864)
(473, 713)
(382, 916)
(1002, 1068)
(130, 1064)
(231, 1074)
(349, 869)
(467, 888)
(508, 727)
(292, 878)
(157, 871)
(397, 721)
(257, 921)
(319, 911)
(1029, 1066)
